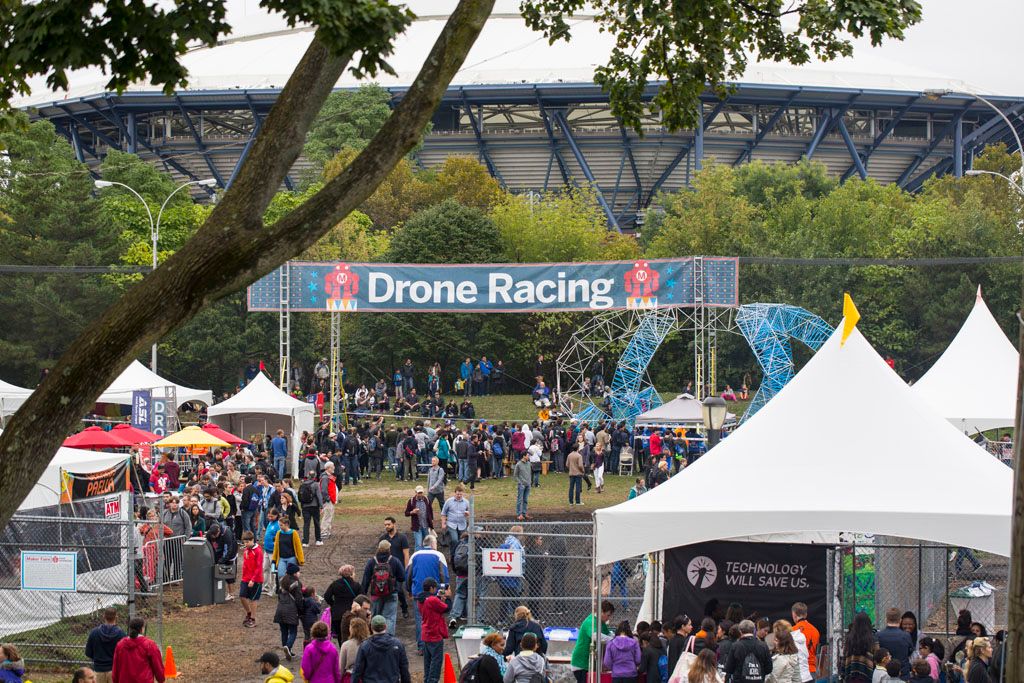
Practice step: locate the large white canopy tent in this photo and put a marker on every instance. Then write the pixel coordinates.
(137, 377)
(682, 411)
(11, 398)
(46, 491)
(263, 408)
(973, 384)
(830, 453)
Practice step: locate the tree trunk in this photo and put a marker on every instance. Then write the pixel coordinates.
(233, 248)
(1013, 652)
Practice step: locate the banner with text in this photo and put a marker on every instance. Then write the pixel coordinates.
(764, 578)
(142, 408)
(499, 287)
(75, 486)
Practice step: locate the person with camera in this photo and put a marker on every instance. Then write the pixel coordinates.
(433, 603)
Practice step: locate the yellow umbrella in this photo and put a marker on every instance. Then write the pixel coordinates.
(191, 436)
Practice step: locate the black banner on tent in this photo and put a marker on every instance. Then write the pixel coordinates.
(764, 578)
(103, 483)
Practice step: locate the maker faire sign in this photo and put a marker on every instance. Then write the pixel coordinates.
(498, 288)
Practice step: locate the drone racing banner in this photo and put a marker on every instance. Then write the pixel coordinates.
(765, 578)
(498, 287)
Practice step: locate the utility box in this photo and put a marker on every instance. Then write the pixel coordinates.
(197, 572)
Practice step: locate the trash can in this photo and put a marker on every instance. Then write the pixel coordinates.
(221, 573)
(979, 597)
(467, 642)
(197, 572)
(561, 642)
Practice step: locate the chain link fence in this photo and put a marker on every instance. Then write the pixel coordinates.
(121, 564)
(557, 579)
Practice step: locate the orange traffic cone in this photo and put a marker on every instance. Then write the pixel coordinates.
(170, 669)
(449, 670)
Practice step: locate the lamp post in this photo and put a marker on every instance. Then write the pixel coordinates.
(1014, 670)
(713, 409)
(154, 225)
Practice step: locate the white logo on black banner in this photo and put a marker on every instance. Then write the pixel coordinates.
(702, 571)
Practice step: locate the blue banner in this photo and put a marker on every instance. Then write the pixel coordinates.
(500, 287)
(142, 409)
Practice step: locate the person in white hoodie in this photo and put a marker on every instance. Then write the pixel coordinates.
(527, 663)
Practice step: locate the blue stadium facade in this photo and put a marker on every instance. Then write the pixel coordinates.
(544, 135)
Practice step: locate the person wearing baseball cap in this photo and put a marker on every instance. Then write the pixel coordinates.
(270, 666)
(422, 514)
(381, 657)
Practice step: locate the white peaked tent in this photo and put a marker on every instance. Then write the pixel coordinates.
(682, 411)
(829, 453)
(973, 384)
(11, 398)
(262, 408)
(137, 377)
(46, 492)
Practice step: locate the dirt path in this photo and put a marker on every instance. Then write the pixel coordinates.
(223, 650)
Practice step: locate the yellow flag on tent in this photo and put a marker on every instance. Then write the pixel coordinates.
(850, 317)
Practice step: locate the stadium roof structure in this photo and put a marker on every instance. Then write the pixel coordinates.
(530, 112)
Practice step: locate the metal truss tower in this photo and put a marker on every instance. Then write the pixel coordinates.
(337, 389)
(284, 328)
(768, 329)
(632, 390)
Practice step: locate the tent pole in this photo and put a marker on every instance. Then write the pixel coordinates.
(1015, 597)
(595, 606)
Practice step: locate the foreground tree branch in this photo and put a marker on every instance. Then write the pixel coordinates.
(233, 248)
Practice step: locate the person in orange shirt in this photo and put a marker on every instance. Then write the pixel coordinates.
(811, 635)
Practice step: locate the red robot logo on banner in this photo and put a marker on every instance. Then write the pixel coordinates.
(641, 284)
(341, 286)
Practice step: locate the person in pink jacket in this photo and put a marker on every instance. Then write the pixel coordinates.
(320, 663)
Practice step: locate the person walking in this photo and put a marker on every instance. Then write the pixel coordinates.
(425, 564)
(358, 633)
(599, 466)
(329, 495)
(289, 606)
(435, 480)
(279, 450)
(382, 658)
(622, 655)
(340, 595)
(523, 476)
(400, 551)
(320, 661)
(433, 608)
(576, 468)
(252, 578)
(99, 646)
(455, 516)
(312, 502)
(137, 658)
(287, 550)
(382, 577)
(421, 512)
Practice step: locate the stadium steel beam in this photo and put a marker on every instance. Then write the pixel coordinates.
(680, 155)
(763, 131)
(256, 125)
(926, 152)
(886, 132)
(554, 143)
(854, 154)
(480, 142)
(958, 149)
(628, 147)
(585, 167)
(941, 166)
(831, 119)
(199, 142)
(85, 123)
(979, 136)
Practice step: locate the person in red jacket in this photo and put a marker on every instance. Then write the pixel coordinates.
(435, 628)
(137, 658)
(252, 578)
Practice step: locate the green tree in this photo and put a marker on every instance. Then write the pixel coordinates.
(447, 232)
(704, 42)
(52, 220)
(347, 120)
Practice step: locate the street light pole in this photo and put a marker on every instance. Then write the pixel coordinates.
(1014, 670)
(154, 225)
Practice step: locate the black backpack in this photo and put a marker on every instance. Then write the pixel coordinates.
(307, 496)
(460, 560)
(472, 668)
(750, 670)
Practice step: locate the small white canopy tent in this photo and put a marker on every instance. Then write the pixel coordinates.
(11, 398)
(682, 411)
(973, 384)
(828, 454)
(47, 490)
(263, 408)
(137, 377)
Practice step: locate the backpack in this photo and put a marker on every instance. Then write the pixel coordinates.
(307, 496)
(537, 677)
(663, 667)
(460, 561)
(750, 670)
(382, 584)
(374, 443)
(497, 448)
(254, 501)
(469, 672)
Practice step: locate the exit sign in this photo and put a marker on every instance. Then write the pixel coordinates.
(502, 562)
